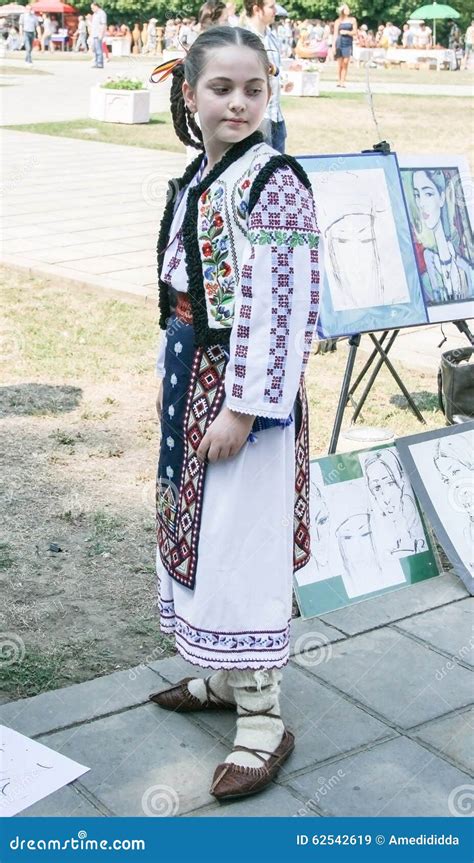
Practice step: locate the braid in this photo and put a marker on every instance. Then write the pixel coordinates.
(184, 123)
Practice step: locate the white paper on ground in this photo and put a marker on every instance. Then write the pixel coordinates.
(30, 771)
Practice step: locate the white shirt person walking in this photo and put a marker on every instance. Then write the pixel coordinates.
(99, 25)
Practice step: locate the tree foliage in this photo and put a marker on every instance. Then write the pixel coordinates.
(370, 12)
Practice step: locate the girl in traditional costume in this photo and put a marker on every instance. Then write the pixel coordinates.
(239, 282)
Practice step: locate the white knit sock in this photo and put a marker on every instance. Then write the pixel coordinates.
(218, 683)
(256, 690)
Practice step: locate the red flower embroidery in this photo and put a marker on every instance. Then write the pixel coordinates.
(226, 270)
(207, 250)
(211, 290)
(218, 221)
(245, 184)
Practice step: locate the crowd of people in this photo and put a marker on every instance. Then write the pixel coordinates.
(311, 39)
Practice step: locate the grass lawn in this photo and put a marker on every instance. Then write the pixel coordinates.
(79, 443)
(332, 123)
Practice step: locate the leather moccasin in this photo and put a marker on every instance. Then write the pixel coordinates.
(179, 698)
(231, 781)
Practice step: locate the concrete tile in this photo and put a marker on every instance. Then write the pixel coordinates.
(145, 258)
(143, 754)
(59, 254)
(40, 243)
(96, 265)
(67, 802)
(397, 779)
(394, 676)
(309, 635)
(449, 628)
(398, 604)
(453, 736)
(60, 707)
(274, 802)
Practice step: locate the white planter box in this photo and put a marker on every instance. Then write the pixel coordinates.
(300, 83)
(119, 106)
(120, 46)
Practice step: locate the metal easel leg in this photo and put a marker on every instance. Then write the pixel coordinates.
(398, 379)
(354, 343)
(374, 374)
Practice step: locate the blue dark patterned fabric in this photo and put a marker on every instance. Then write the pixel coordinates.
(178, 363)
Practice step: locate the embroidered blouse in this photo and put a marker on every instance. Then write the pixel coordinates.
(277, 298)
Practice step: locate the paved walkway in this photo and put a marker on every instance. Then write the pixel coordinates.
(83, 210)
(377, 694)
(98, 225)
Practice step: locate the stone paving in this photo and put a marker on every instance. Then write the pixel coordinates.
(381, 709)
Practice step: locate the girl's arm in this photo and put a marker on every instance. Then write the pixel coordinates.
(160, 372)
(275, 313)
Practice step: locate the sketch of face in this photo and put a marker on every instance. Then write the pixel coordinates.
(429, 200)
(464, 494)
(460, 479)
(354, 257)
(356, 546)
(321, 530)
(386, 492)
(449, 467)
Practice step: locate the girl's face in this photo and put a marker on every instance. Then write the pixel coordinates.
(428, 199)
(230, 97)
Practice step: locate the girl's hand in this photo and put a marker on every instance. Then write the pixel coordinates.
(159, 401)
(226, 436)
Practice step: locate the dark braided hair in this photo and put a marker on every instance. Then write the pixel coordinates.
(184, 123)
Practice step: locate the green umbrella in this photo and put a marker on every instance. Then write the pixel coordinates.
(434, 11)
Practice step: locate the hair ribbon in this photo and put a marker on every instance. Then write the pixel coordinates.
(165, 69)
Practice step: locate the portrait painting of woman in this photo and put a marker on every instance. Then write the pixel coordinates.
(443, 238)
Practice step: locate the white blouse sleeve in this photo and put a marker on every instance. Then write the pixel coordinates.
(277, 301)
(160, 359)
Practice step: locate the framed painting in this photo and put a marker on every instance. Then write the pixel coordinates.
(371, 279)
(441, 468)
(438, 191)
(367, 534)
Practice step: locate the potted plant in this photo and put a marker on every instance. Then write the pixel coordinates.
(120, 100)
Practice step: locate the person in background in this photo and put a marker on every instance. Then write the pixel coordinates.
(212, 14)
(124, 31)
(46, 43)
(80, 36)
(423, 37)
(407, 36)
(99, 26)
(259, 16)
(468, 45)
(3, 29)
(150, 46)
(233, 20)
(13, 40)
(362, 40)
(393, 33)
(28, 26)
(345, 31)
